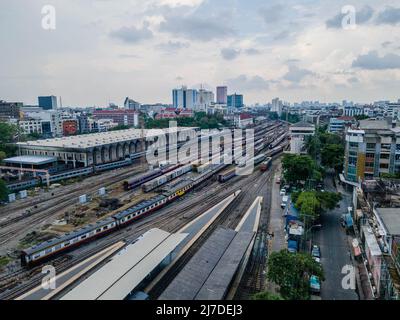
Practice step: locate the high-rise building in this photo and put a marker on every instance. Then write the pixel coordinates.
(277, 106)
(222, 95)
(235, 101)
(48, 103)
(184, 98)
(204, 99)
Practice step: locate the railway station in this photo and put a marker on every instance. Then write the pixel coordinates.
(96, 148)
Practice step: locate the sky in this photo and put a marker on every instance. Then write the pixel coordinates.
(102, 51)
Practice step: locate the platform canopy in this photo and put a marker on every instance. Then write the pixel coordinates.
(119, 277)
(31, 160)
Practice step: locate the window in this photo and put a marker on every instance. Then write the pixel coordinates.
(384, 166)
(353, 145)
(371, 145)
(385, 156)
(370, 155)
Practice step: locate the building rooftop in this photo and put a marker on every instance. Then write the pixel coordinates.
(374, 125)
(210, 272)
(30, 160)
(95, 139)
(302, 124)
(371, 242)
(390, 218)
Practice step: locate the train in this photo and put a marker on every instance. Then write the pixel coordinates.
(44, 251)
(227, 175)
(275, 151)
(137, 181)
(266, 165)
(41, 179)
(159, 181)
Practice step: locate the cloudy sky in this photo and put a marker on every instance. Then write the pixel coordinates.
(104, 50)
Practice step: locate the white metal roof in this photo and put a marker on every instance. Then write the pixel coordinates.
(127, 270)
(96, 139)
(36, 160)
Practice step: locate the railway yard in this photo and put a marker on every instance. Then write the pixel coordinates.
(52, 227)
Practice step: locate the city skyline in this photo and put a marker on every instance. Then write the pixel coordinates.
(101, 52)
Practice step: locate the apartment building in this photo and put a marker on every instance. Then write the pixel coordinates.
(372, 150)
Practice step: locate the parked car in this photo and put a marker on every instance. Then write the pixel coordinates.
(283, 192)
(316, 252)
(315, 285)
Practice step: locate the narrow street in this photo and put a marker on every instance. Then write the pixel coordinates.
(335, 249)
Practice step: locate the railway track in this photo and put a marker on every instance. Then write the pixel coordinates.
(41, 215)
(109, 178)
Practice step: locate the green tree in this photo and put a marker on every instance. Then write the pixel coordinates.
(329, 200)
(3, 190)
(309, 206)
(273, 116)
(266, 296)
(297, 168)
(291, 273)
(8, 135)
(332, 156)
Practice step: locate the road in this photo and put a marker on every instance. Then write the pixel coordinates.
(335, 249)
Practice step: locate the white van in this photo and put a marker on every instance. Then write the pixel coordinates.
(285, 200)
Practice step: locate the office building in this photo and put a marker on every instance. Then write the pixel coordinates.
(277, 106)
(205, 99)
(184, 98)
(222, 95)
(298, 134)
(130, 104)
(48, 103)
(235, 101)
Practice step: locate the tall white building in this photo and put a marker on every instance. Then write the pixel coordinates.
(204, 100)
(277, 106)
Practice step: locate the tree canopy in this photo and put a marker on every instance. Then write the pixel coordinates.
(3, 190)
(291, 272)
(299, 168)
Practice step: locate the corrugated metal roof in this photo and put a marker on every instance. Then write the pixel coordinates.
(191, 279)
(125, 271)
(217, 285)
